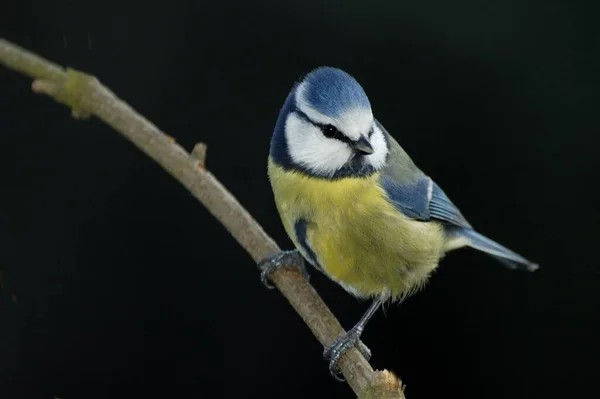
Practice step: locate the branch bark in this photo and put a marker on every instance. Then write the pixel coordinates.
(86, 96)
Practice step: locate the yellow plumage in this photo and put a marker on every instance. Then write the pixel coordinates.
(360, 239)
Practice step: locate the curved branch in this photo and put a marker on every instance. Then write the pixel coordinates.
(86, 96)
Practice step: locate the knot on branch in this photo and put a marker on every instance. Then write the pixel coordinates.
(68, 90)
(76, 86)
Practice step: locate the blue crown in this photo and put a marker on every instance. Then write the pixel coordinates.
(332, 91)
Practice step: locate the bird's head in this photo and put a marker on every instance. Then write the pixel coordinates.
(326, 128)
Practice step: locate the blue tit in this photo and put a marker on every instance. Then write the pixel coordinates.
(355, 205)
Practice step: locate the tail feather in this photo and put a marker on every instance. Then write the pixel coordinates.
(502, 254)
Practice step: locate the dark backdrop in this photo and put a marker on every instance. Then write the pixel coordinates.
(118, 284)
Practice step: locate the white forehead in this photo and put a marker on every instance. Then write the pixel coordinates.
(352, 122)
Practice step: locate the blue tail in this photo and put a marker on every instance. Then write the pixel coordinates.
(502, 254)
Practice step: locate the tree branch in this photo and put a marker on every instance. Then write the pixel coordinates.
(86, 96)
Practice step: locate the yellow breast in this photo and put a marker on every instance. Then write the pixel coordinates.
(359, 238)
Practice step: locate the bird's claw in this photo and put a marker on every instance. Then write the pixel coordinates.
(340, 346)
(281, 259)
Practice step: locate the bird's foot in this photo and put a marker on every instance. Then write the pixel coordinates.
(281, 259)
(340, 346)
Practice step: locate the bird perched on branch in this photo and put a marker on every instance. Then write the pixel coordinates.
(355, 205)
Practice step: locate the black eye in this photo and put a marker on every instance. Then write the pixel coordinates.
(330, 131)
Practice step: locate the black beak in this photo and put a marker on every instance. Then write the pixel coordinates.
(362, 146)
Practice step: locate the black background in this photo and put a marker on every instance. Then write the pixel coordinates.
(124, 286)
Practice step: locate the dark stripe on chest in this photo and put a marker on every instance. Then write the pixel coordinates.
(300, 230)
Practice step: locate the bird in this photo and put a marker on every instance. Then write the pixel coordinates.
(355, 205)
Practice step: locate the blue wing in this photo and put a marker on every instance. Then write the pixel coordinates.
(441, 208)
(418, 197)
(414, 193)
(423, 200)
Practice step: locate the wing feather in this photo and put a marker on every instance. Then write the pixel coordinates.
(414, 193)
(419, 197)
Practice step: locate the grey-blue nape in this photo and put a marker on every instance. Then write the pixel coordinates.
(332, 91)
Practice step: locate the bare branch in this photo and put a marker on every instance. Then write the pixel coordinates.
(86, 96)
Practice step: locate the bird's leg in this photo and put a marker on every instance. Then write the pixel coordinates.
(335, 351)
(281, 259)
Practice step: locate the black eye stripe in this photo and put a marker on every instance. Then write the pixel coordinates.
(330, 131)
(336, 134)
(303, 116)
(326, 129)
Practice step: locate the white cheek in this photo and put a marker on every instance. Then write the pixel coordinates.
(309, 148)
(380, 149)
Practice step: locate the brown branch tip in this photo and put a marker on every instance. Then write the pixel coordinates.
(85, 95)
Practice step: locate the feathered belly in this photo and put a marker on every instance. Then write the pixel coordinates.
(356, 236)
(376, 253)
